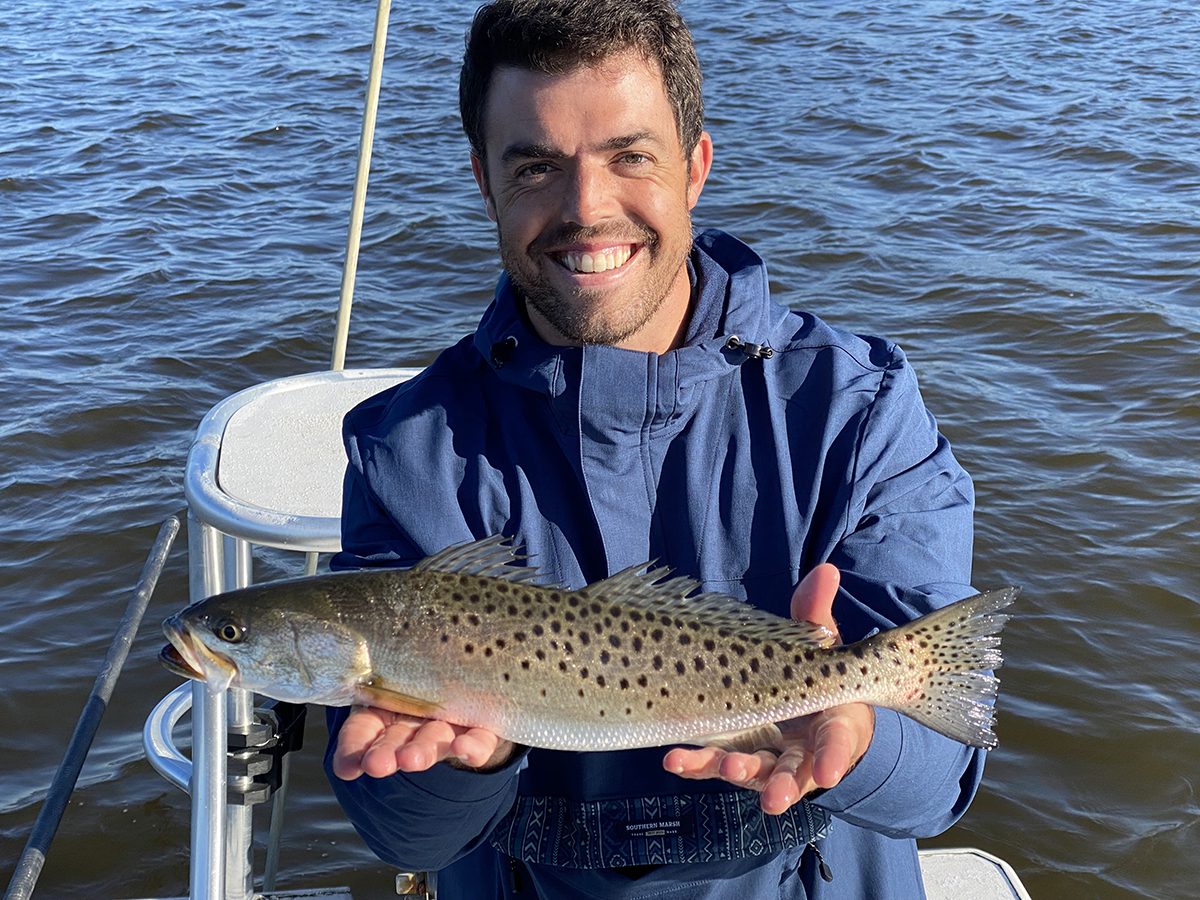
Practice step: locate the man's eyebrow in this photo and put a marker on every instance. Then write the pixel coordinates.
(515, 152)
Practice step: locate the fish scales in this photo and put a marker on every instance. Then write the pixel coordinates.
(625, 662)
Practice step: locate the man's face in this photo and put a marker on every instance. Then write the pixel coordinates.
(591, 193)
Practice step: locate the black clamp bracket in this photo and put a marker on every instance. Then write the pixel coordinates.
(256, 750)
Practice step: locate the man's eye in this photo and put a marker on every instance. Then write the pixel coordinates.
(635, 159)
(533, 170)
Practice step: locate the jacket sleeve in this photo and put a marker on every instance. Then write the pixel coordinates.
(424, 820)
(905, 550)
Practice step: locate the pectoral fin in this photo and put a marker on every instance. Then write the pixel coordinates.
(371, 692)
(761, 737)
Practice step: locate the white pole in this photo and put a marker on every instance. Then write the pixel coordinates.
(350, 267)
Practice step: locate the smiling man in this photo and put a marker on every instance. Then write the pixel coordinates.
(634, 393)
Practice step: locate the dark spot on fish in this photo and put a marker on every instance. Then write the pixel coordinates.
(525, 664)
(624, 626)
(699, 663)
(658, 663)
(664, 692)
(585, 638)
(680, 667)
(841, 667)
(487, 651)
(857, 651)
(727, 681)
(489, 608)
(543, 692)
(596, 608)
(602, 714)
(825, 671)
(774, 691)
(506, 676)
(656, 635)
(637, 644)
(728, 706)
(685, 639)
(501, 588)
(512, 609)
(738, 649)
(769, 651)
(445, 638)
(710, 645)
(699, 698)
(600, 682)
(642, 681)
(581, 692)
(723, 661)
(583, 673)
(598, 628)
(809, 681)
(628, 711)
(754, 664)
(863, 670)
(455, 620)
(572, 600)
(614, 640)
(757, 697)
(908, 637)
(649, 704)
(635, 616)
(457, 597)
(556, 626)
(625, 661)
(469, 648)
(569, 616)
(474, 619)
(500, 643)
(562, 666)
(745, 676)
(623, 684)
(787, 673)
(540, 654)
(810, 655)
(604, 657)
(519, 635)
(568, 647)
(538, 630)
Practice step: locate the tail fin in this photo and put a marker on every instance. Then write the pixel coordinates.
(962, 643)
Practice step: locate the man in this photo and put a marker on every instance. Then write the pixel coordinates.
(632, 393)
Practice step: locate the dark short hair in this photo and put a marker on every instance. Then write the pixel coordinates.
(557, 36)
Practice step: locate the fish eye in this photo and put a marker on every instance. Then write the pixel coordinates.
(229, 631)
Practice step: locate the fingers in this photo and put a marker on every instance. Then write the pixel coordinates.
(812, 601)
(361, 729)
(841, 737)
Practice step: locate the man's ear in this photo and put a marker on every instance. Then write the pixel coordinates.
(699, 165)
(480, 173)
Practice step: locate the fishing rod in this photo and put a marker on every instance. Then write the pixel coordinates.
(33, 857)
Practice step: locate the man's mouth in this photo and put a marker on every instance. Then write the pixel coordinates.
(593, 262)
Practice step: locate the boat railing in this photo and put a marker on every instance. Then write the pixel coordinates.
(265, 469)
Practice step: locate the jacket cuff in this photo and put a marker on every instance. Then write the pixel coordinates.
(453, 785)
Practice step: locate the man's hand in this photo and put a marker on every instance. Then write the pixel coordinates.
(817, 751)
(379, 743)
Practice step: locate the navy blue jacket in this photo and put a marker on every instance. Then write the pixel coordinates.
(740, 468)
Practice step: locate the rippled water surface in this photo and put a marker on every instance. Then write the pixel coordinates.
(1009, 189)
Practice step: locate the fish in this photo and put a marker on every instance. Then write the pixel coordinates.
(638, 659)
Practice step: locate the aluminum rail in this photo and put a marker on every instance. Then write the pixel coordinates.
(29, 867)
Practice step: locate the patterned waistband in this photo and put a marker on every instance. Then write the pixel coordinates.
(685, 828)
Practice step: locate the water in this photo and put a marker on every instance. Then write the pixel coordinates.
(1008, 189)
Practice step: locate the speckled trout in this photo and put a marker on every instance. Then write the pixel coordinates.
(468, 637)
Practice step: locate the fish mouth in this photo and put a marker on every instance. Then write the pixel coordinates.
(191, 658)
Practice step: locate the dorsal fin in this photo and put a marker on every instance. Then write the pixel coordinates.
(650, 589)
(491, 556)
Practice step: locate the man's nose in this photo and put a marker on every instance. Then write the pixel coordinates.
(587, 195)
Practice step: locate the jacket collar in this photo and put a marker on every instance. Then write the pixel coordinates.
(730, 297)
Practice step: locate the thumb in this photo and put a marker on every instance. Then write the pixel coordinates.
(812, 601)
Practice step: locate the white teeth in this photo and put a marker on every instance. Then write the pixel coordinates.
(601, 261)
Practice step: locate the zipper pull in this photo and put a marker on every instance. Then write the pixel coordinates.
(822, 866)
